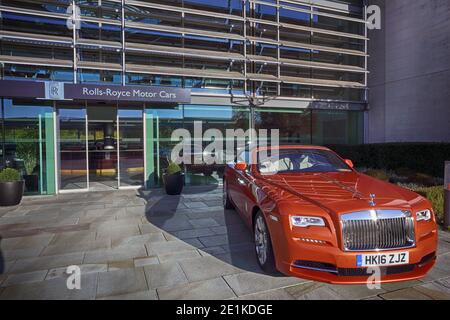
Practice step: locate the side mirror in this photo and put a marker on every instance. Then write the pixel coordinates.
(349, 163)
(241, 166)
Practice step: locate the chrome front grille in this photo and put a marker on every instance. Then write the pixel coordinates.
(377, 230)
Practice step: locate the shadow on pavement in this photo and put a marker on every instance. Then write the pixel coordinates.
(231, 242)
(2, 260)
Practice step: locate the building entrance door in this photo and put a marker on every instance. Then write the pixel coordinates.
(101, 147)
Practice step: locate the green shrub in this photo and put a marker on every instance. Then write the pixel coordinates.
(378, 174)
(427, 158)
(436, 196)
(173, 168)
(9, 175)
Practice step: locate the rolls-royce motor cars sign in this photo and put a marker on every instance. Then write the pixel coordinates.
(70, 91)
(126, 93)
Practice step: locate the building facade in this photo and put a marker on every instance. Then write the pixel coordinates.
(299, 66)
(409, 76)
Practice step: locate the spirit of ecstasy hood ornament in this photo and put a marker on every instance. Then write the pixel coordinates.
(372, 200)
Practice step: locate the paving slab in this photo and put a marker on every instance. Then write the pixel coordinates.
(168, 247)
(55, 289)
(48, 262)
(405, 294)
(84, 268)
(312, 291)
(435, 290)
(116, 254)
(142, 262)
(249, 282)
(355, 292)
(272, 295)
(140, 239)
(81, 246)
(203, 268)
(212, 289)
(121, 282)
(178, 256)
(28, 277)
(165, 275)
(142, 295)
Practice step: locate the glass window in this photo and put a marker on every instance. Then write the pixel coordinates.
(99, 55)
(337, 127)
(72, 146)
(151, 79)
(29, 148)
(24, 72)
(100, 9)
(343, 94)
(15, 48)
(95, 31)
(34, 24)
(295, 17)
(214, 85)
(98, 76)
(334, 24)
(302, 161)
(153, 37)
(233, 7)
(294, 125)
(215, 24)
(213, 117)
(59, 6)
(153, 16)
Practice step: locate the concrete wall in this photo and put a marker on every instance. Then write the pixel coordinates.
(409, 83)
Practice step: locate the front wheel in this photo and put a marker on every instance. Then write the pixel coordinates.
(263, 245)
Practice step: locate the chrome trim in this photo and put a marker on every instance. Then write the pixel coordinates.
(315, 269)
(377, 230)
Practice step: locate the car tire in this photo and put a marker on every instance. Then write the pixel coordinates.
(227, 204)
(263, 245)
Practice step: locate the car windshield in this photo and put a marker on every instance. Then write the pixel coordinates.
(301, 160)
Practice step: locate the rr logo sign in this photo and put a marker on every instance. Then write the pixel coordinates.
(54, 90)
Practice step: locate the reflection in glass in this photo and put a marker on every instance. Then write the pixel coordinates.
(131, 147)
(102, 146)
(294, 125)
(337, 127)
(72, 145)
(212, 117)
(28, 130)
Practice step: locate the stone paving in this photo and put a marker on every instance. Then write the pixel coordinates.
(146, 245)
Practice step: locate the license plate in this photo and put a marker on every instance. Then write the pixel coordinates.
(381, 260)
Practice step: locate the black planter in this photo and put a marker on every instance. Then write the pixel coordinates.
(173, 183)
(31, 182)
(11, 193)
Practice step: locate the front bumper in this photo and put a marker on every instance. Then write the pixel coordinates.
(330, 264)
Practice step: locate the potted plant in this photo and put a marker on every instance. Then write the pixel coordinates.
(173, 179)
(27, 151)
(11, 187)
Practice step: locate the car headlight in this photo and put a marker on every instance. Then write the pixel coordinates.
(303, 221)
(424, 215)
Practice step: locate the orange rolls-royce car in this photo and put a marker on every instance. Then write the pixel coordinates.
(314, 216)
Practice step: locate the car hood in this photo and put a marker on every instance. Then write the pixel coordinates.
(340, 192)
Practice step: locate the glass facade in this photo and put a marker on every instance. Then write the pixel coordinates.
(290, 65)
(28, 143)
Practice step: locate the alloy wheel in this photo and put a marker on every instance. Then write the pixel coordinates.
(261, 240)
